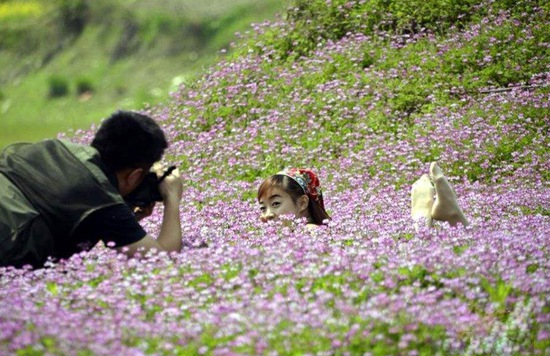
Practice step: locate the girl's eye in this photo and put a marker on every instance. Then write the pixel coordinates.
(275, 204)
(262, 208)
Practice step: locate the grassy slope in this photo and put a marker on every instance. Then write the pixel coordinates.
(168, 54)
(374, 84)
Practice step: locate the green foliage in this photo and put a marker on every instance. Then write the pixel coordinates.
(52, 288)
(315, 22)
(231, 271)
(532, 268)
(403, 82)
(58, 86)
(515, 148)
(29, 351)
(16, 21)
(61, 37)
(84, 85)
(459, 250)
(373, 337)
(73, 15)
(50, 344)
(498, 292)
(202, 281)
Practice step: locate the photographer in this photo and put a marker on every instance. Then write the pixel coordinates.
(58, 198)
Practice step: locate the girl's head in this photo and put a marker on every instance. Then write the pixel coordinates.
(292, 191)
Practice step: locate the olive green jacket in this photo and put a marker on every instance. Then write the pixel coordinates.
(46, 190)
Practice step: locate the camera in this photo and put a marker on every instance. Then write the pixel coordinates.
(148, 190)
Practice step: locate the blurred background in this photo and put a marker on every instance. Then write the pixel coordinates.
(66, 64)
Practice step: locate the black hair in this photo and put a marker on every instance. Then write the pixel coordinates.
(128, 139)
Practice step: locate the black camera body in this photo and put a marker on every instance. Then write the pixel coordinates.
(148, 190)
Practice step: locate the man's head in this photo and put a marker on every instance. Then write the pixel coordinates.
(129, 143)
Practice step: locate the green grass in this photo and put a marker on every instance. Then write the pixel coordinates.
(174, 43)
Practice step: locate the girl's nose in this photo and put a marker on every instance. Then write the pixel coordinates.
(268, 215)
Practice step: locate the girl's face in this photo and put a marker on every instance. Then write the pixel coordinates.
(277, 202)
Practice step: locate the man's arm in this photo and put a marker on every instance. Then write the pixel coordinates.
(170, 237)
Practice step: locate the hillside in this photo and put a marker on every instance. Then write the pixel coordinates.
(367, 93)
(320, 93)
(68, 64)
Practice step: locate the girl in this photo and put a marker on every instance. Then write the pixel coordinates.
(294, 191)
(297, 191)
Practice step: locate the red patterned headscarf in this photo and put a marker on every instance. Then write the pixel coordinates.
(308, 181)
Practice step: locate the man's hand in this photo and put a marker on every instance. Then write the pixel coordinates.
(169, 239)
(171, 188)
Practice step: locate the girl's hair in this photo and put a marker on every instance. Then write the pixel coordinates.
(295, 190)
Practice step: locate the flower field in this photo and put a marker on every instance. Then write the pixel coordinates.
(366, 97)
